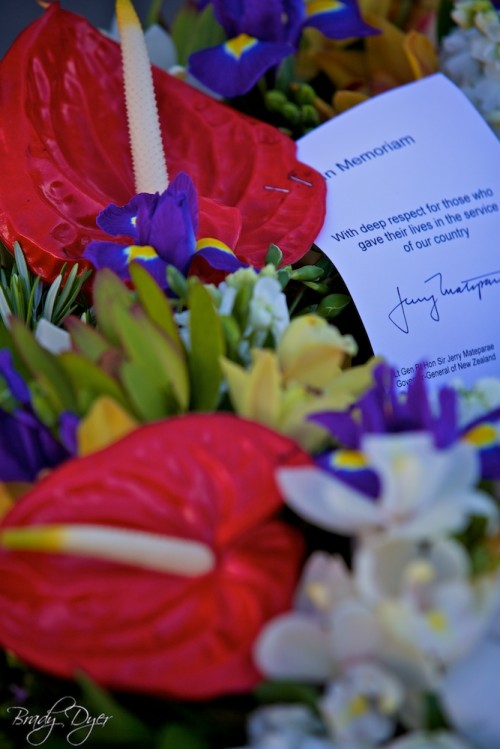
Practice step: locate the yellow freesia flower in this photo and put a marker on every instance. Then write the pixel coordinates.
(304, 375)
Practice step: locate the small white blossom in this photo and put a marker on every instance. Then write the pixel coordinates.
(268, 311)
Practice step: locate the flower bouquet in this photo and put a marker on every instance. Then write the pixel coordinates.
(221, 523)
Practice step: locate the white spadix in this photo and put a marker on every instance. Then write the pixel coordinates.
(148, 158)
(161, 553)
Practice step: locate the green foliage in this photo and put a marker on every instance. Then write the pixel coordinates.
(28, 298)
(193, 30)
(287, 692)
(445, 22)
(207, 346)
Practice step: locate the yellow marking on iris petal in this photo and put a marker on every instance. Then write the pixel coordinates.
(46, 538)
(437, 621)
(205, 242)
(322, 6)
(239, 45)
(140, 252)
(126, 15)
(349, 459)
(482, 435)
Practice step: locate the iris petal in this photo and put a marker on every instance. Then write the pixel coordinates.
(337, 20)
(121, 220)
(14, 381)
(218, 254)
(234, 68)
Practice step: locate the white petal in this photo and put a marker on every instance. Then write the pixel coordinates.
(355, 634)
(470, 693)
(327, 502)
(161, 48)
(293, 646)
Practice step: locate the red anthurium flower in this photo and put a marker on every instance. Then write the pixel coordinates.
(65, 153)
(205, 478)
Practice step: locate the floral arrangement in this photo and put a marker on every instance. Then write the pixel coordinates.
(220, 523)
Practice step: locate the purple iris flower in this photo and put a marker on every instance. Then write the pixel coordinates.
(162, 229)
(26, 444)
(263, 32)
(382, 411)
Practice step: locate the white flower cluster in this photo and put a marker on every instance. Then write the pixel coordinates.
(406, 621)
(256, 300)
(470, 56)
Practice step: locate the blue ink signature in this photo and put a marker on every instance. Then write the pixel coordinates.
(397, 315)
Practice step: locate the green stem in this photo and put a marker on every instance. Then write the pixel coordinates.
(154, 11)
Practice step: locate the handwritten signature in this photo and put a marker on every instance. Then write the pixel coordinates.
(75, 721)
(477, 284)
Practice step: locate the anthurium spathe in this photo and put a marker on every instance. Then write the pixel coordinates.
(65, 153)
(127, 610)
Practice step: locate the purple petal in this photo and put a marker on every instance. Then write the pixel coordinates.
(220, 259)
(68, 425)
(364, 479)
(15, 382)
(26, 447)
(109, 255)
(341, 425)
(172, 231)
(233, 68)
(121, 220)
(340, 22)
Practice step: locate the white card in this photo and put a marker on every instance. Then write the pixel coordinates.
(413, 226)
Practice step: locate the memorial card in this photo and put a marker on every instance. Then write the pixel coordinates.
(413, 226)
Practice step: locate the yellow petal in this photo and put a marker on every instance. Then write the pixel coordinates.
(105, 423)
(386, 56)
(344, 100)
(375, 7)
(256, 393)
(421, 54)
(312, 352)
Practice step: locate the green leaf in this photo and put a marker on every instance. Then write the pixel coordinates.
(192, 31)
(146, 344)
(232, 335)
(332, 305)
(177, 282)
(179, 736)
(307, 273)
(150, 402)
(110, 295)
(287, 691)
(154, 302)
(286, 73)
(90, 381)
(207, 346)
(44, 367)
(274, 256)
(445, 22)
(87, 339)
(122, 727)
